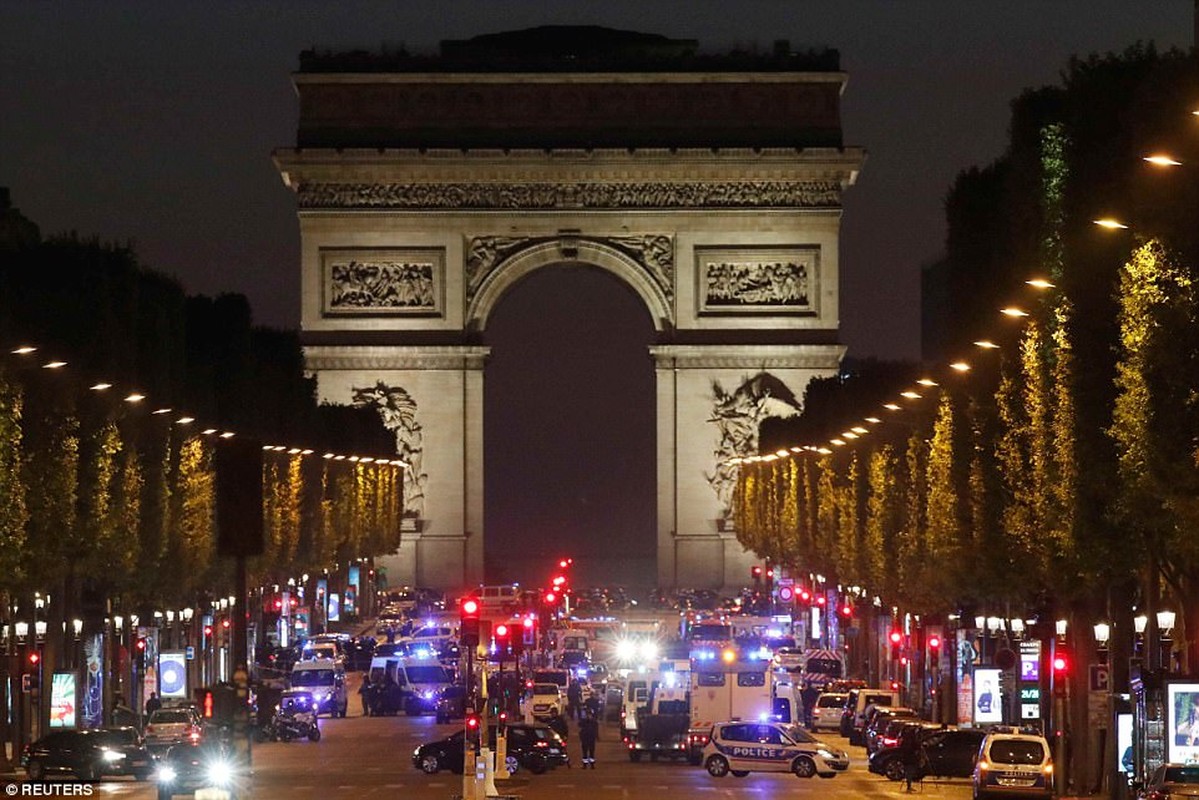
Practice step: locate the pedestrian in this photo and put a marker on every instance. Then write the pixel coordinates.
(588, 733)
(911, 755)
(809, 695)
(557, 724)
(153, 704)
(365, 692)
(574, 697)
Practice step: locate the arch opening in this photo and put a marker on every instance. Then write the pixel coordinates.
(570, 432)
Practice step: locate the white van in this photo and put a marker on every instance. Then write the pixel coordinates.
(422, 681)
(499, 598)
(326, 679)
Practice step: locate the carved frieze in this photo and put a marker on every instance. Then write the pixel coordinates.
(654, 252)
(773, 280)
(726, 194)
(405, 281)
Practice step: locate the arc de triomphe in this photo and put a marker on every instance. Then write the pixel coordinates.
(428, 186)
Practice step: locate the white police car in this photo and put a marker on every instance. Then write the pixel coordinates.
(745, 747)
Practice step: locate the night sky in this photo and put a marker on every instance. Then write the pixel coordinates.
(154, 122)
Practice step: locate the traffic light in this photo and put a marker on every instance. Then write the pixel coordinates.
(472, 723)
(896, 637)
(140, 651)
(527, 637)
(503, 639)
(846, 610)
(35, 658)
(934, 651)
(206, 703)
(469, 633)
(551, 598)
(1061, 670)
(804, 595)
(770, 573)
(755, 572)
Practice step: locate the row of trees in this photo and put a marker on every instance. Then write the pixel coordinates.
(1059, 476)
(102, 500)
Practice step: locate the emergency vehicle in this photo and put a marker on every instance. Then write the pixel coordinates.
(736, 690)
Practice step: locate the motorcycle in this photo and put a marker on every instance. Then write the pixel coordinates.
(295, 718)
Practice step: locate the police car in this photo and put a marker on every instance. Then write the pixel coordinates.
(1013, 764)
(745, 747)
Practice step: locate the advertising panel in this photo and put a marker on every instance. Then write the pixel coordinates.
(988, 707)
(64, 693)
(334, 607)
(1124, 743)
(1182, 719)
(172, 674)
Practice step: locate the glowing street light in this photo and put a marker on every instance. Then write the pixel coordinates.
(1110, 224)
(1012, 311)
(1040, 283)
(986, 344)
(960, 366)
(1162, 160)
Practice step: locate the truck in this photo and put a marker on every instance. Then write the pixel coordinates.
(662, 724)
(736, 690)
(821, 667)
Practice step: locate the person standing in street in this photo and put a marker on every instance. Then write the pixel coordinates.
(574, 698)
(153, 704)
(588, 732)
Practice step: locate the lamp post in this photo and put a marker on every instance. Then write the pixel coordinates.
(1165, 629)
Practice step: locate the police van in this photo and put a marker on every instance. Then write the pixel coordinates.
(326, 679)
(744, 747)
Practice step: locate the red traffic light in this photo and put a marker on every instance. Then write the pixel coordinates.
(934, 643)
(140, 644)
(896, 637)
(207, 704)
(278, 602)
(472, 722)
(528, 623)
(551, 598)
(501, 631)
(756, 571)
(558, 581)
(470, 607)
(805, 595)
(1060, 664)
(225, 623)
(895, 686)
(821, 599)
(208, 630)
(770, 573)
(847, 610)
(34, 657)
(563, 564)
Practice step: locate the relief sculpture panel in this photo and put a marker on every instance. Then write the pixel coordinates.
(757, 280)
(400, 281)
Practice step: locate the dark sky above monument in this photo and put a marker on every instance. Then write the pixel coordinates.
(154, 122)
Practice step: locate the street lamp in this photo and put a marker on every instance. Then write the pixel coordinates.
(1060, 627)
(1103, 633)
(1139, 623)
(1165, 621)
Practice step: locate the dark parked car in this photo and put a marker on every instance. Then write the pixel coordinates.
(879, 720)
(949, 752)
(532, 747)
(88, 755)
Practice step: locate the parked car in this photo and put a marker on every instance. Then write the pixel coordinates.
(744, 747)
(886, 759)
(88, 754)
(1013, 765)
(878, 720)
(1172, 780)
(532, 747)
(826, 715)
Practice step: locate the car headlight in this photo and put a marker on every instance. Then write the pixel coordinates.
(220, 772)
(430, 695)
(416, 753)
(112, 755)
(625, 649)
(165, 774)
(649, 650)
(825, 754)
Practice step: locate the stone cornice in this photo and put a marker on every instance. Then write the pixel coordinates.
(402, 165)
(798, 356)
(300, 78)
(383, 357)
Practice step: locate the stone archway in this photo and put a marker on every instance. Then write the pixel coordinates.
(417, 217)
